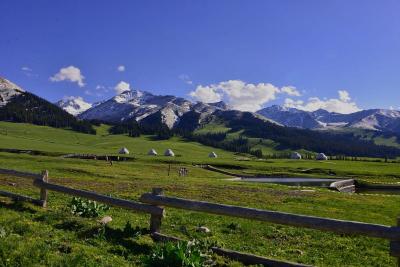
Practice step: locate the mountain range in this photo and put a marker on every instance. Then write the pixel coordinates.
(137, 112)
(139, 105)
(142, 106)
(372, 119)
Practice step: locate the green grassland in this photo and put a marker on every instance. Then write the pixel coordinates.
(32, 236)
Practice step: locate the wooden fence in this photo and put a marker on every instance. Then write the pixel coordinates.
(153, 203)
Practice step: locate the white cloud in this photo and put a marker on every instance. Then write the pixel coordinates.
(24, 68)
(185, 78)
(207, 94)
(122, 87)
(71, 73)
(343, 104)
(28, 71)
(290, 90)
(238, 94)
(121, 68)
(293, 103)
(102, 88)
(344, 96)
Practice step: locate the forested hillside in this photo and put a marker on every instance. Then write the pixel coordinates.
(30, 108)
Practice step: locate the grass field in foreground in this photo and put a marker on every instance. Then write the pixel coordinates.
(34, 236)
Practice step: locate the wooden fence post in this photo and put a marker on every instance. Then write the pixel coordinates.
(44, 192)
(155, 220)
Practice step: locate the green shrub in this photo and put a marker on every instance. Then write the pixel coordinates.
(87, 208)
(183, 254)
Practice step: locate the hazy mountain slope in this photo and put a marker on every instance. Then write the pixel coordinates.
(291, 117)
(336, 143)
(372, 119)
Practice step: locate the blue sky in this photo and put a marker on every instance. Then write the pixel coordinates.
(244, 52)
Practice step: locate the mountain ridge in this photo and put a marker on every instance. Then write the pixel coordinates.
(141, 104)
(371, 119)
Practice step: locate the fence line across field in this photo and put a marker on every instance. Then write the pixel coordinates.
(318, 223)
(153, 203)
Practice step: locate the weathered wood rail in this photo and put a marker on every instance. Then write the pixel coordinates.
(391, 233)
(324, 224)
(153, 203)
(42, 181)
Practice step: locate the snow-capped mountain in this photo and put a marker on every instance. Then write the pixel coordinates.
(8, 90)
(140, 105)
(371, 119)
(73, 105)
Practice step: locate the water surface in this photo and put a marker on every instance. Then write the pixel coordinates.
(293, 181)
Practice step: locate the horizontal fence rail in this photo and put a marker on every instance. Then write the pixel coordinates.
(332, 225)
(28, 175)
(41, 181)
(117, 202)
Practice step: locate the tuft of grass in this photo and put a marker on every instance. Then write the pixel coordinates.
(184, 254)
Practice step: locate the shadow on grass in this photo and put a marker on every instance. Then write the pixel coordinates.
(70, 225)
(125, 243)
(17, 206)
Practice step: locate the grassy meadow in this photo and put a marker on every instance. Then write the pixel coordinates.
(32, 236)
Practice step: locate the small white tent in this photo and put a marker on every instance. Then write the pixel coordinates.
(169, 153)
(295, 155)
(321, 156)
(123, 150)
(213, 155)
(152, 152)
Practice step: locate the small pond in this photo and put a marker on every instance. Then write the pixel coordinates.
(321, 182)
(318, 182)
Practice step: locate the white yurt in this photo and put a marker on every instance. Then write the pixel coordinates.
(295, 155)
(169, 153)
(152, 152)
(123, 150)
(321, 156)
(213, 155)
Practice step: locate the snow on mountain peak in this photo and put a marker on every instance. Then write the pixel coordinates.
(371, 119)
(8, 90)
(74, 105)
(134, 97)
